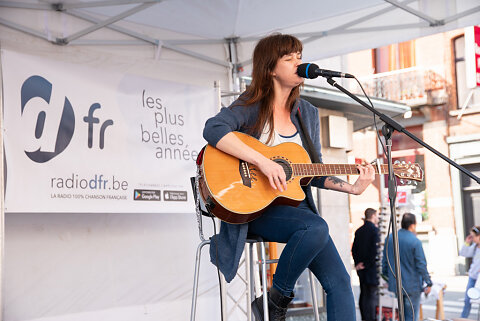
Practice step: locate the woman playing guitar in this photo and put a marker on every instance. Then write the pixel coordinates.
(268, 110)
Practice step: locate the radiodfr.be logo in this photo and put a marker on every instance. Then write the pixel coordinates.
(39, 87)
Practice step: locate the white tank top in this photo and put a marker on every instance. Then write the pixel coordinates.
(278, 139)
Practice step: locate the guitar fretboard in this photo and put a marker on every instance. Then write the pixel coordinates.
(331, 169)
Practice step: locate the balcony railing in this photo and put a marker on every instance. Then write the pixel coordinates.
(412, 86)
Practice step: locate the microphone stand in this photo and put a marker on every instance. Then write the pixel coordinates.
(387, 130)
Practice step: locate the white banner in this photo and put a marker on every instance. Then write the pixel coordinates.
(79, 139)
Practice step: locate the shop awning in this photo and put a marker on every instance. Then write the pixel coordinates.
(362, 118)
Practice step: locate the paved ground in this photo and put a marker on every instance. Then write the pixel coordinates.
(453, 298)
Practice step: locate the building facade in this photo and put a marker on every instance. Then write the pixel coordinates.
(430, 75)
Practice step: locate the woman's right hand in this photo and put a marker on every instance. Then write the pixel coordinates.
(232, 145)
(274, 172)
(469, 239)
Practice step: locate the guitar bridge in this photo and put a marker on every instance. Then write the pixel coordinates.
(245, 173)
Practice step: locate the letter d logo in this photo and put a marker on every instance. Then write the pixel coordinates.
(37, 86)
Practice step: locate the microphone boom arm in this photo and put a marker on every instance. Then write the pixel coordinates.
(400, 128)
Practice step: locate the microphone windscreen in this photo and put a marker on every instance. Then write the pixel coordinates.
(307, 70)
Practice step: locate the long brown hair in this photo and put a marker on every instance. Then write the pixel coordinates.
(265, 56)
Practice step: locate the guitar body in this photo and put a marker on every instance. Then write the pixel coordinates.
(237, 192)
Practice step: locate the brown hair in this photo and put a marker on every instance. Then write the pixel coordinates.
(407, 220)
(369, 212)
(476, 230)
(265, 56)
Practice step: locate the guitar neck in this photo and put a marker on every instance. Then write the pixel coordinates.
(331, 169)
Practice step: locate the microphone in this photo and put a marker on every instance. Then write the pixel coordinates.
(311, 71)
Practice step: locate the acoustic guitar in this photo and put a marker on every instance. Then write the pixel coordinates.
(238, 192)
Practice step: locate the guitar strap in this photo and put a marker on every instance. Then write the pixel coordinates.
(310, 149)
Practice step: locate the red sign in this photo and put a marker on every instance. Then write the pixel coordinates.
(476, 33)
(402, 197)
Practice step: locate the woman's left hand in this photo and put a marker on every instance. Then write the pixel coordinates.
(367, 176)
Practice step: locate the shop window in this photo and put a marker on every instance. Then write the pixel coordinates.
(466, 96)
(460, 71)
(411, 197)
(400, 141)
(470, 197)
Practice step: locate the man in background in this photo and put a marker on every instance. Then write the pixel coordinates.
(413, 266)
(364, 251)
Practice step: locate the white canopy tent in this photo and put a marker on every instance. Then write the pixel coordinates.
(223, 33)
(327, 28)
(195, 42)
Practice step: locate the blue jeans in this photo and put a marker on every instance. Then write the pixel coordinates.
(407, 308)
(308, 245)
(467, 306)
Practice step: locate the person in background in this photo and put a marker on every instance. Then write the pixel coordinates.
(364, 252)
(413, 266)
(471, 249)
(270, 110)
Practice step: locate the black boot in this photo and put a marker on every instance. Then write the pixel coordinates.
(277, 306)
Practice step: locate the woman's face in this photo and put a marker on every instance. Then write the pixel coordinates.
(285, 72)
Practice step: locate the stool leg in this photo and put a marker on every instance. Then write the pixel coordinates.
(248, 270)
(195, 278)
(314, 295)
(264, 282)
(223, 295)
(256, 271)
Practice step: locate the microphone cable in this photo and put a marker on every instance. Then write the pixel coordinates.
(390, 224)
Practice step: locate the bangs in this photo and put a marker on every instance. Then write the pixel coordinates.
(287, 45)
(268, 50)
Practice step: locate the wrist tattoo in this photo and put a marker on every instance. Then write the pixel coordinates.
(336, 180)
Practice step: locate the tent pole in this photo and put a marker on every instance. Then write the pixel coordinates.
(131, 33)
(232, 48)
(107, 22)
(421, 15)
(2, 202)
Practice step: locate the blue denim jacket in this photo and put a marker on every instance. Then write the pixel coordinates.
(231, 239)
(412, 263)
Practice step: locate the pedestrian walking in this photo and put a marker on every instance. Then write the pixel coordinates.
(413, 267)
(471, 249)
(364, 252)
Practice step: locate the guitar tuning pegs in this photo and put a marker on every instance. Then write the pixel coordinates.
(402, 181)
(403, 163)
(409, 182)
(397, 162)
(414, 183)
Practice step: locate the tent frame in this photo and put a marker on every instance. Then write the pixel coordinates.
(72, 9)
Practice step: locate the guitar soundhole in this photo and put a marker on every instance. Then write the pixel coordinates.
(286, 167)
